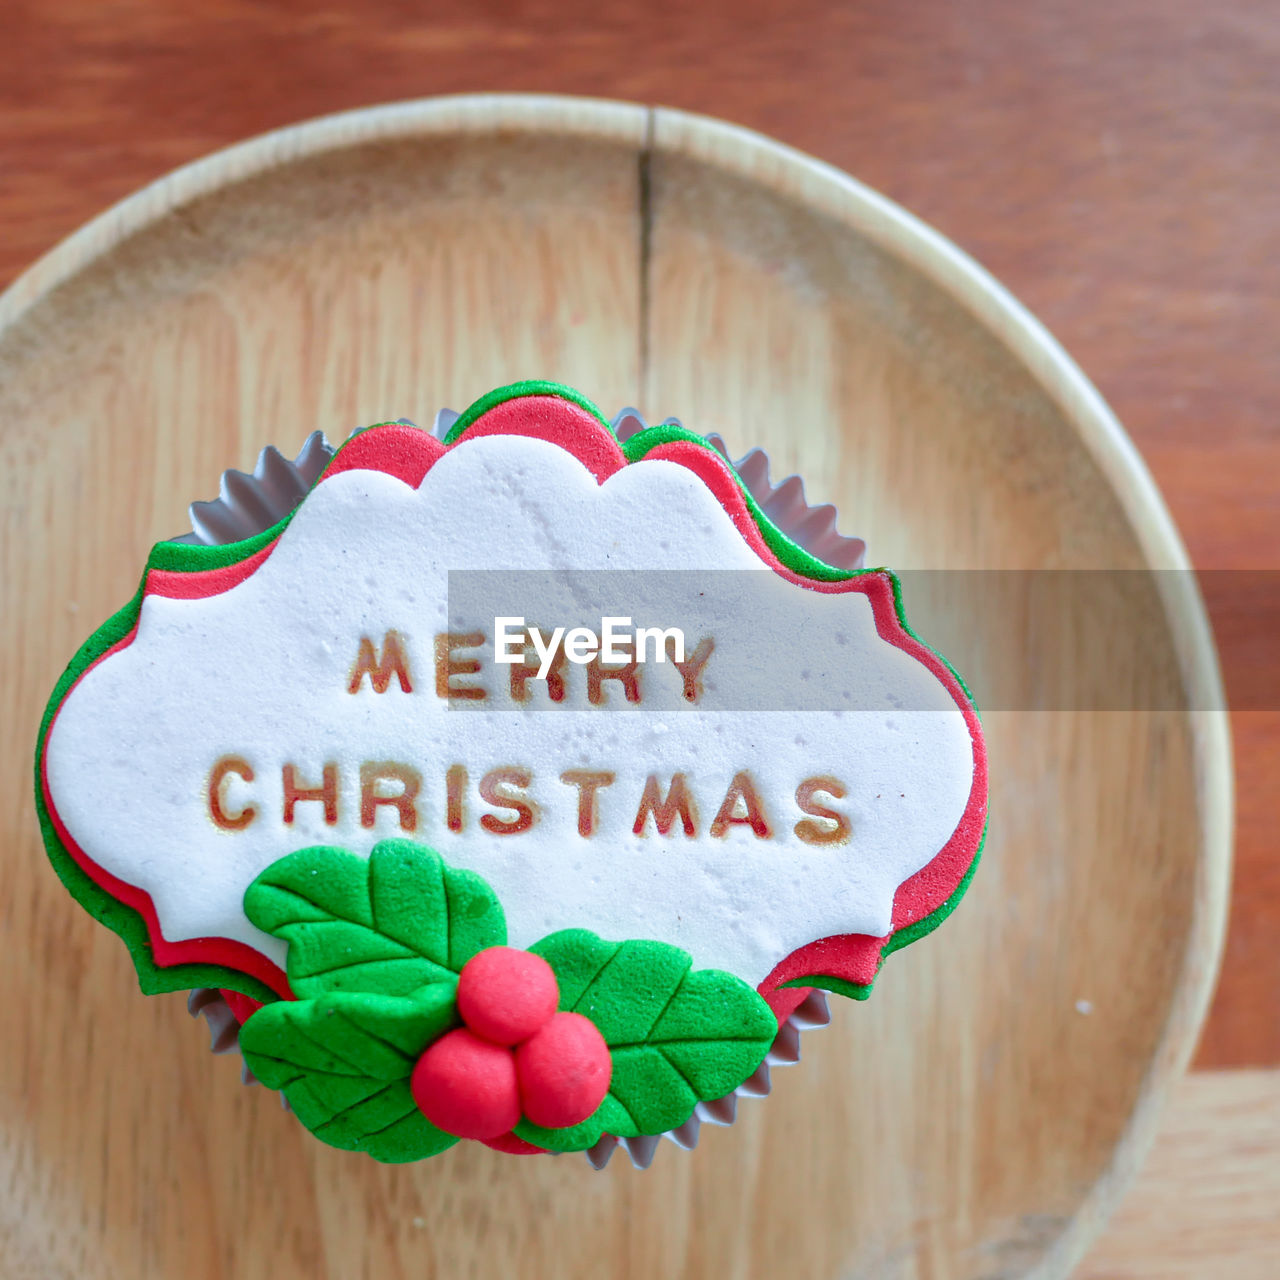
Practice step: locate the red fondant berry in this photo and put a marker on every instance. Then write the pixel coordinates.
(505, 995)
(564, 1071)
(467, 1086)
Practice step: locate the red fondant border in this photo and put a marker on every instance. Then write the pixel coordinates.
(176, 585)
(220, 951)
(408, 454)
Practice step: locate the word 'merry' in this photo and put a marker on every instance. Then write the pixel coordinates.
(456, 665)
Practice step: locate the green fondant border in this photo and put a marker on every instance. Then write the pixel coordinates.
(176, 557)
(514, 391)
(116, 915)
(195, 557)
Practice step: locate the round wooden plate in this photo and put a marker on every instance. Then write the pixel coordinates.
(983, 1111)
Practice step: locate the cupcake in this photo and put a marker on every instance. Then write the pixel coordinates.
(526, 780)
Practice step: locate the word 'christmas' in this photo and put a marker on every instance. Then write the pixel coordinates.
(666, 808)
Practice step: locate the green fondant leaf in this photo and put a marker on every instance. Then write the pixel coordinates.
(346, 1034)
(578, 1137)
(343, 1060)
(390, 924)
(677, 1035)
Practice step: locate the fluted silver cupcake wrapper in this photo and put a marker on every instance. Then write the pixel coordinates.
(812, 1012)
(814, 528)
(249, 503)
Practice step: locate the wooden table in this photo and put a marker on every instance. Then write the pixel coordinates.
(1207, 1199)
(1112, 163)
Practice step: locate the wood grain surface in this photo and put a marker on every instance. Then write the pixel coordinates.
(1205, 1204)
(1111, 161)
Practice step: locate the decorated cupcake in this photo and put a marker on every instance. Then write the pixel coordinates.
(518, 781)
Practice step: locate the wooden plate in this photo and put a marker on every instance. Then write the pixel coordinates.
(982, 1112)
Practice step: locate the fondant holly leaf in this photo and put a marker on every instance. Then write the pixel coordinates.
(677, 1035)
(344, 1059)
(388, 924)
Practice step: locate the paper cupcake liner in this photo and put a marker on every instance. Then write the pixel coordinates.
(247, 504)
